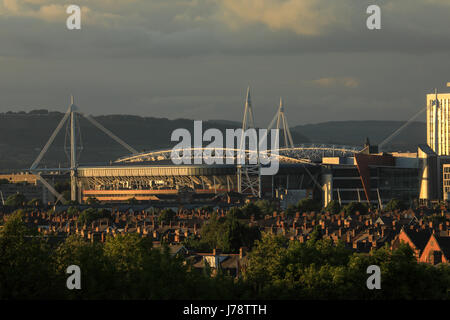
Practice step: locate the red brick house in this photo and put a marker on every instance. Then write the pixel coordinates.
(417, 240)
(437, 250)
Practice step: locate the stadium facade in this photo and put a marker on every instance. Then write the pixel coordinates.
(325, 172)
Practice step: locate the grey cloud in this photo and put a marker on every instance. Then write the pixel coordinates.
(182, 59)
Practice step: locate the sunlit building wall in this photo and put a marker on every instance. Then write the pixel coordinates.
(438, 119)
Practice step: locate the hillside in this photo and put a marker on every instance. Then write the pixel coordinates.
(23, 135)
(355, 133)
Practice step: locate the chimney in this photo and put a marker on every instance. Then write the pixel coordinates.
(241, 252)
(195, 229)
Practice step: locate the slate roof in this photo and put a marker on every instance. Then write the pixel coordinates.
(419, 238)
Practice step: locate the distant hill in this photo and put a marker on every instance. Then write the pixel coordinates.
(23, 135)
(355, 133)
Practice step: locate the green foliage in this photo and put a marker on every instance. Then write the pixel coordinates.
(128, 267)
(266, 207)
(226, 234)
(333, 207)
(90, 215)
(124, 267)
(4, 181)
(396, 204)
(166, 215)
(92, 200)
(309, 205)
(320, 269)
(35, 202)
(97, 279)
(144, 273)
(265, 263)
(237, 213)
(72, 211)
(354, 207)
(258, 209)
(25, 262)
(250, 209)
(16, 200)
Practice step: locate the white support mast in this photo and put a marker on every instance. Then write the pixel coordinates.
(73, 151)
(249, 178)
(71, 115)
(280, 119)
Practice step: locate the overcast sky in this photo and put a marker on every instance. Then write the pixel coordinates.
(195, 58)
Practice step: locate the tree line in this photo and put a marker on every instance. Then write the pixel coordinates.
(129, 267)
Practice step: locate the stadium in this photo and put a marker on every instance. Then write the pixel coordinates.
(319, 171)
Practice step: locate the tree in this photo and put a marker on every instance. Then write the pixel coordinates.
(251, 209)
(333, 207)
(226, 234)
(237, 213)
(396, 204)
(354, 207)
(142, 272)
(266, 206)
(90, 215)
(265, 262)
(26, 266)
(72, 211)
(35, 202)
(166, 215)
(16, 200)
(97, 280)
(309, 205)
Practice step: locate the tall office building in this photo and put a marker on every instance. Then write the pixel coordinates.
(438, 121)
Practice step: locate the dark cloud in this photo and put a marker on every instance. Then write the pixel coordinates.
(189, 59)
